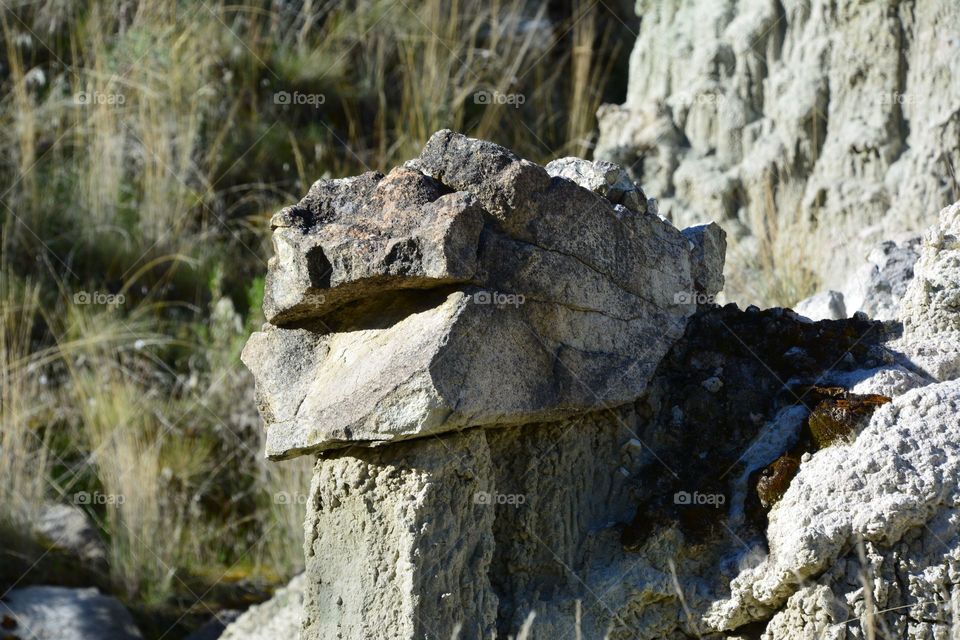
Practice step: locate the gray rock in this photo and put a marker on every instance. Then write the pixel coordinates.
(429, 532)
(877, 287)
(562, 302)
(68, 528)
(279, 617)
(708, 242)
(930, 310)
(604, 178)
(352, 239)
(618, 494)
(57, 613)
(216, 625)
(826, 305)
(765, 114)
(899, 477)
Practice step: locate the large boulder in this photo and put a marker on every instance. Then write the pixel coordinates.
(468, 287)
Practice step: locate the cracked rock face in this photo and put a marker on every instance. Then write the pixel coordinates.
(842, 112)
(468, 287)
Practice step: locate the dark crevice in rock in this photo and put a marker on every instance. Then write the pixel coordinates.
(382, 310)
(318, 268)
(730, 375)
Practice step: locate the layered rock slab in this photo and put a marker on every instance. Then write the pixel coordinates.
(466, 288)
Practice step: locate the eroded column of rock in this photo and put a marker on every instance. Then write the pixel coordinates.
(843, 113)
(398, 546)
(460, 341)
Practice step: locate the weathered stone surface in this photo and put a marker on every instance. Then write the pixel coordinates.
(279, 617)
(399, 542)
(930, 310)
(616, 496)
(605, 178)
(839, 419)
(900, 472)
(709, 246)
(826, 305)
(768, 362)
(58, 613)
(68, 528)
(759, 113)
(554, 302)
(878, 287)
(354, 238)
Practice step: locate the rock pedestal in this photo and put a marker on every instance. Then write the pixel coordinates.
(461, 340)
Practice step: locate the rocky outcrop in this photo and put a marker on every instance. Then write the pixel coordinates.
(67, 528)
(837, 117)
(600, 446)
(875, 288)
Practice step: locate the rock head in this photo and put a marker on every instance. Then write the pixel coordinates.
(468, 288)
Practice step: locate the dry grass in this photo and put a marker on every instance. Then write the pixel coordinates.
(143, 152)
(774, 265)
(23, 405)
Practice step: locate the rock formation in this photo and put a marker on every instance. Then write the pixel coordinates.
(524, 402)
(468, 288)
(843, 116)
